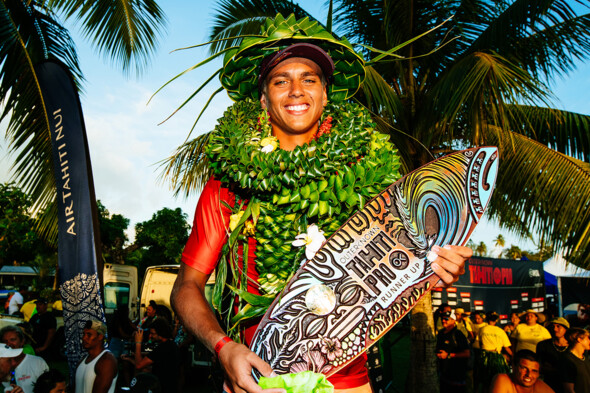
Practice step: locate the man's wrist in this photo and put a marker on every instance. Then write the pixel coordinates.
(220, 344)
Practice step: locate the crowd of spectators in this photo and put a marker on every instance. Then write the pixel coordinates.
(146, 355)
(529, 353)
(476, 352)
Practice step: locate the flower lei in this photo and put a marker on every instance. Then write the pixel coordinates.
(323, 182)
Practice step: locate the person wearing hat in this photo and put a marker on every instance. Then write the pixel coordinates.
(492, 341)
(291, 84)
(7, 364)
(44, 327)
(551, 352)
(530, 333)
(27, 368)
(464, 324)
(97, 371)
(452, 350)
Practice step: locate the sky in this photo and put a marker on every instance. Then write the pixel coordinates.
(127, 144)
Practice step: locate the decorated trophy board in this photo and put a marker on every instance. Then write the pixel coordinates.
(373, 270)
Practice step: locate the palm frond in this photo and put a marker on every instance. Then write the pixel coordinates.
(517, 21)
(550, 196)
(545, 36)
(28, 36)
(237, 18)
(187, 169)
(475, 92)
(126, 31)
(556, 48)
(566, 132)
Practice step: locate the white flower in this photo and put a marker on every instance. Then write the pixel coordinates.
(312, 240)
(268, 144)
(267, 149)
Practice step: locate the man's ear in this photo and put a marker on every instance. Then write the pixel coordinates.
(325, 96)
(263, 101)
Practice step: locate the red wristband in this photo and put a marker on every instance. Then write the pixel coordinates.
(220, 344)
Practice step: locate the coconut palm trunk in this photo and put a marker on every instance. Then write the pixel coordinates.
(422, 377)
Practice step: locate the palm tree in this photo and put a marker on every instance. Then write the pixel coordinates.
(482, 77)
(514, 252)
(30, 32)
(499, 241)
(481, 249)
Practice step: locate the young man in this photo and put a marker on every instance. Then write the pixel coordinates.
(44, 327)
(524, 377)
(293, 86)
(452, 348)
(97, 372)
(576, 365)
(164, 359)
(551, 353)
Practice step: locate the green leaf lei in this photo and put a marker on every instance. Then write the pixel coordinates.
(323, 182)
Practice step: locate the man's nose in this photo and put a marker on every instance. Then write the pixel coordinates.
(296, 89)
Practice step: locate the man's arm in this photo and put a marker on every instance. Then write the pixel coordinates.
(189, 302)
(106, 370)
(501, 384)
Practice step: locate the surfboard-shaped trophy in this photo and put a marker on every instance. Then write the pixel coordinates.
(373, 270)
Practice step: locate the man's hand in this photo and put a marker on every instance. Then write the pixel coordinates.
(237, 362)
(138, 335)
(442, 354)
(449, 263)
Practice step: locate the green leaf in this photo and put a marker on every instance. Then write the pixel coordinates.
(246, 313)
(252, 299)
(220, 281)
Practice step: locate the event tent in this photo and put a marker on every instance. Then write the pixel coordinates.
(570, 283)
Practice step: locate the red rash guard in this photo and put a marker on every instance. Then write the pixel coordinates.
(203, 249)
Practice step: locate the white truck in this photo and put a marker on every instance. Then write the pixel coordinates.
(120, 287)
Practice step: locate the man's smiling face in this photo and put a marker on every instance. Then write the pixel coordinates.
(295, 97)
(526, 373)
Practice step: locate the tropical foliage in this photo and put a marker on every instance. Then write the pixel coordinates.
(30, 32)
(19, 244)
(480, 77)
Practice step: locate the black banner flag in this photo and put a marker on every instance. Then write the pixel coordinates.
(77, 229)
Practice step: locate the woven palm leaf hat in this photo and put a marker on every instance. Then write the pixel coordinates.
(241, 66)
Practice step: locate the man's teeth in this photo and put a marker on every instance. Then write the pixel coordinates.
(297, 107)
